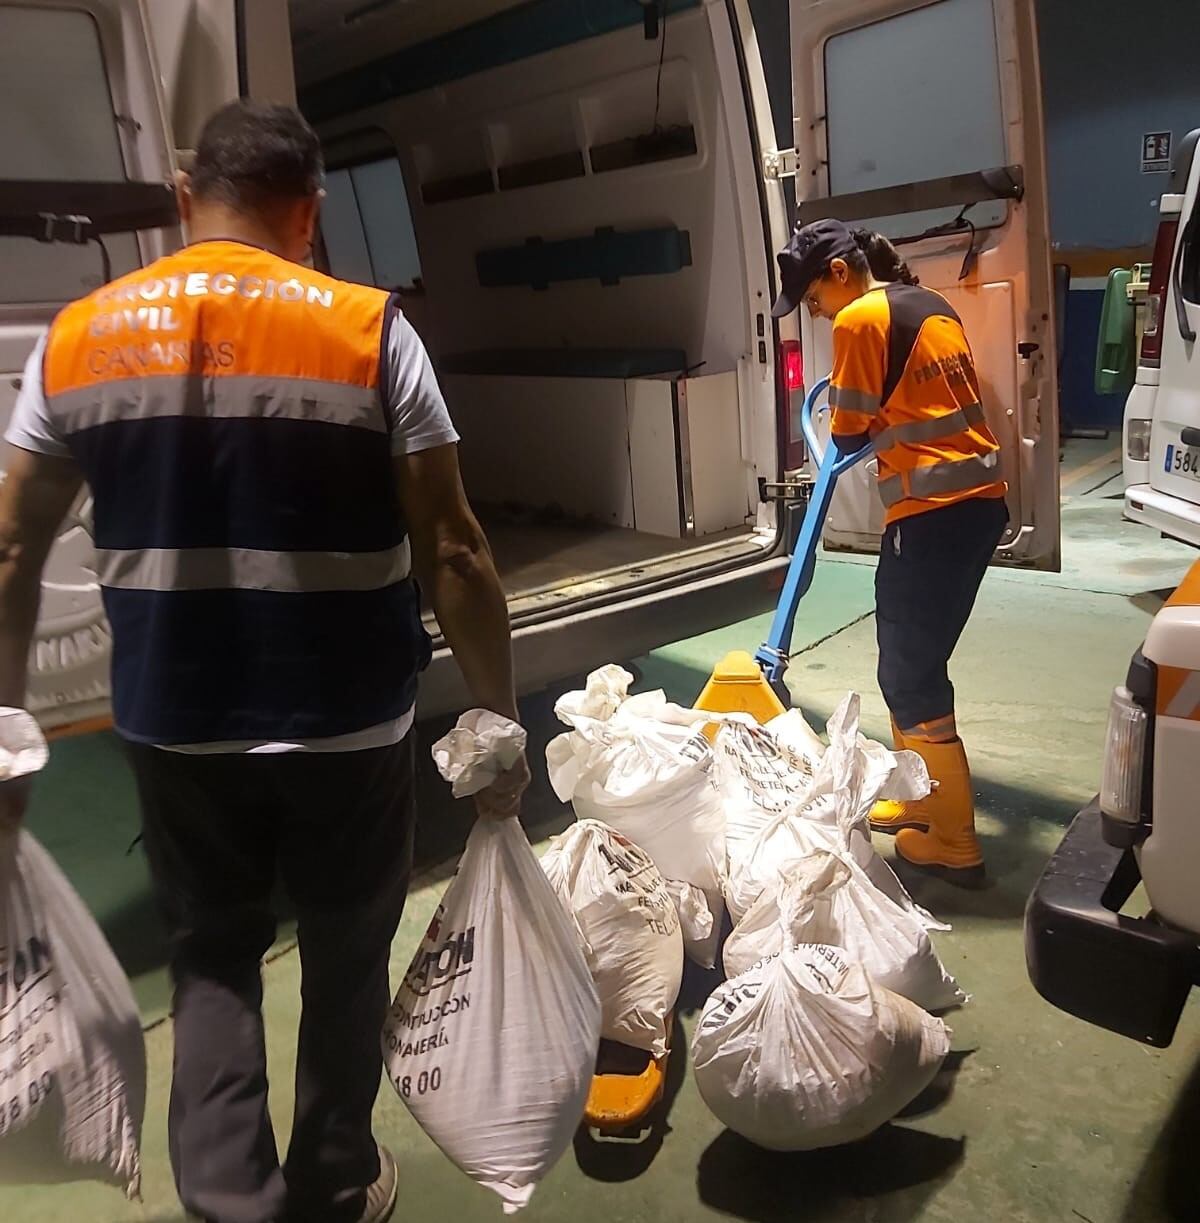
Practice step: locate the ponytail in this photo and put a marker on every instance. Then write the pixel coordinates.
(882, 258)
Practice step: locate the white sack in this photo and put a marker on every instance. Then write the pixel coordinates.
(491, 1041)
(831, 813)
(481, 747)
(643, 766)
(828, 898)
(72, 1058)
(756, 778)
(630, 927)
(799, 743)
(804, 1051)
(695, 917)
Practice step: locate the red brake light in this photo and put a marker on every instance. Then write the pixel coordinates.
(1156, 294)
(793, 364)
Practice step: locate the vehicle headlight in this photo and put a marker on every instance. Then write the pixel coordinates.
(1124, 752)
(1137, 440)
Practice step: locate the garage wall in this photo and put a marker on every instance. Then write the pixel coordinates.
(1111, 71)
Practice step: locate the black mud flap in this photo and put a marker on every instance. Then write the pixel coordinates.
(1130, 975)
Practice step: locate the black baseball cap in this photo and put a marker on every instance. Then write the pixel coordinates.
(806, 257)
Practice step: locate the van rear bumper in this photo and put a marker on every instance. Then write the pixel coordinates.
(1171, 515)
(1130, 975)
(574, 644)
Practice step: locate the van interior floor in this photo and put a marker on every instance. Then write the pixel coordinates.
(538, 555)
(1036, 1117)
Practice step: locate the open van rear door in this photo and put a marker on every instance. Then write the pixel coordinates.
(85, 172)
(922, 119)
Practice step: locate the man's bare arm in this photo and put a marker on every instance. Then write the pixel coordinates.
(454, 565)
(34, 498)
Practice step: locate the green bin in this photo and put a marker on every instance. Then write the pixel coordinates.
(1116, 344)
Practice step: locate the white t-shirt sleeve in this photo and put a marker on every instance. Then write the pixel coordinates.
(419, 416)
(31, 427)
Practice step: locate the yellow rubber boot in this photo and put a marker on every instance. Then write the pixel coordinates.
(889, 815)
(949, 848)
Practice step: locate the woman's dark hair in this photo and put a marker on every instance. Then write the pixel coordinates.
(878, 256)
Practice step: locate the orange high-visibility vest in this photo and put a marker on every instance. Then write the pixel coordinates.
(903, 373)
(224, 405)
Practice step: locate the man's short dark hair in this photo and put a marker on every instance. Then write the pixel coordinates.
(251, 155)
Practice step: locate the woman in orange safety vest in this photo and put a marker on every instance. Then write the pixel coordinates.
(904, 379)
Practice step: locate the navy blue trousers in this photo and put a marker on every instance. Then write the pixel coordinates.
(337, 828)
(930, 569)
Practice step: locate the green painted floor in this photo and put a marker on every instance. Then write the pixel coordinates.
(1037, 1117)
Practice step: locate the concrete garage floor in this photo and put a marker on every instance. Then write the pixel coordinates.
(1037, 1117)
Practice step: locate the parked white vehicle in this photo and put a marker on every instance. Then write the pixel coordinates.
(580, 205)
(1162, 412)
(1128, 973)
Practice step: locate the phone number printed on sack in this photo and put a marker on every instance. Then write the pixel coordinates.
(13, 1110)
(418, 1084)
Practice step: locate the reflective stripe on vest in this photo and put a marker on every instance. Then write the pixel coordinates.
(238, 396)
(850, 400)
(250, 569)
(935, 479)
(934, 429)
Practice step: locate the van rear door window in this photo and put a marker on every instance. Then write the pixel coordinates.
(916, 97)
(367, 226)
(53, 83)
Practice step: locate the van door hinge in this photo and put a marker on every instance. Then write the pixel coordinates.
(780, 163)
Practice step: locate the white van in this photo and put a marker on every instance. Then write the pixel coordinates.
(580, 204)
(1162, 412)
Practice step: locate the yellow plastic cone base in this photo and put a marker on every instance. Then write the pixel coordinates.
(617, 1102)
(737, 686)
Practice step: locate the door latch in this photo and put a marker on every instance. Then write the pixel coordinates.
(1026, 349)
(798, 488)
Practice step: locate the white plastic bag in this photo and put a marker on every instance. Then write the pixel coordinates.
(804, 1051)
(72, 1057)
(643, 766)
(23, 749)
(630, 926)
(491, 1041)
(829, 899)
(478, 750)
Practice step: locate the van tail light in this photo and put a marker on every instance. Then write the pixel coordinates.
(1156, 295)
(793, 365)
(1124, 753)
(1137, 440)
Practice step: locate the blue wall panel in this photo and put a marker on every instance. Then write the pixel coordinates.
(1112, 70)
(511, 35)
